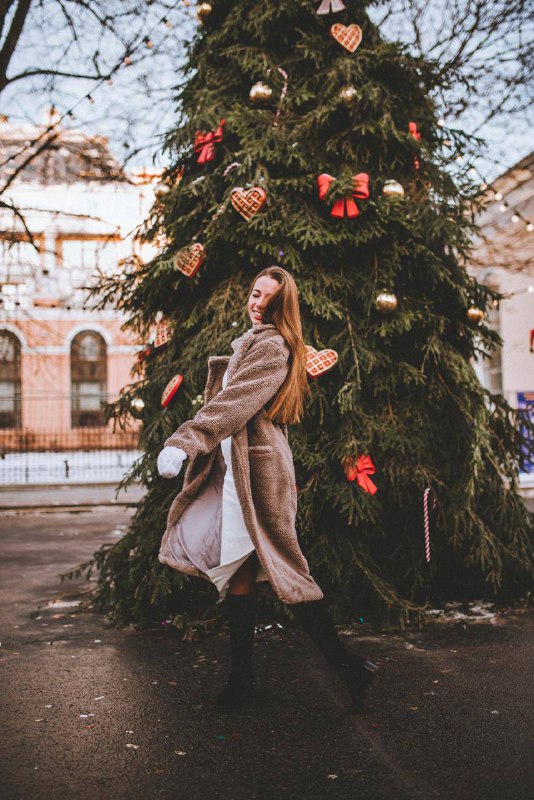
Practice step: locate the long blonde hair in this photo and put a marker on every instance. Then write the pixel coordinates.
(282, 309)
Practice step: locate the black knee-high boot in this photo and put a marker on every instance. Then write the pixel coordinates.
(355, 671)
(239, 690)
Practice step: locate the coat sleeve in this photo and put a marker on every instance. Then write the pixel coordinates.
(256, 380)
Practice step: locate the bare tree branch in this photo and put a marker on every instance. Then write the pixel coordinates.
(19, 215)
(5, 5)
(12, 38)
(47, 140)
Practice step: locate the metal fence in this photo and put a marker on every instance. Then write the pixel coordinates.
(41, 452)
(33, 440)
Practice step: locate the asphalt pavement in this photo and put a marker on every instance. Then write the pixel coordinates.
(94, 711)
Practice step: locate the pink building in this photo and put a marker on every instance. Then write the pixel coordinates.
(75, 215)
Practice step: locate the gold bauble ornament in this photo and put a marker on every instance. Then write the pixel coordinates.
(161, 190)
(393, 189)
(137, 406)
(386, 303)
(203, 11)
(474, 315)
(348, 95)
(260, 93)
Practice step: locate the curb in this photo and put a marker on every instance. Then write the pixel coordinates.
(67, 506)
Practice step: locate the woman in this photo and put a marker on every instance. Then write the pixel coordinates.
(233, 523)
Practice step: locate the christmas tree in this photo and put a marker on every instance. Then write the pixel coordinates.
(344, 181)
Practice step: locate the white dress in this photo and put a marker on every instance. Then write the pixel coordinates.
(236, 544)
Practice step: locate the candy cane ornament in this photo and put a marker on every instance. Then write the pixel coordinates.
(283, 93)
(427, 522)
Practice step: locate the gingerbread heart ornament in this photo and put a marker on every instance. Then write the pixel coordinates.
(163, 335)
(348, 36)
(170, 390)
(189, 259)
(319, 361)
(248, 202)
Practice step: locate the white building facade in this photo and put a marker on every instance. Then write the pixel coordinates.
(503, 258)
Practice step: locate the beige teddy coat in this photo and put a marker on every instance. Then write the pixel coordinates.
(262, 465)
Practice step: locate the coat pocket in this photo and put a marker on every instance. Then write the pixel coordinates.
(260, 448)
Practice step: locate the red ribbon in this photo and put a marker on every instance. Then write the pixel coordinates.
(413, 131)
(346, 206)
(532, 341)
(361, 471)
(205, 143)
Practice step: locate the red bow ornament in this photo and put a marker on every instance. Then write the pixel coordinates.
(412, 129)
(205, 143)
(360, 470)
(416, 134)
(346, 206)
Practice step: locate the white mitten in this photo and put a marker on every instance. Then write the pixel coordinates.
(170, 461)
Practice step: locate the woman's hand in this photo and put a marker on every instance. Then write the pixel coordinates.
(170, 461)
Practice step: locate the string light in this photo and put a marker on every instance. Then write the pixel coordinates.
(484, 186)
(517, 216)
(527, 290)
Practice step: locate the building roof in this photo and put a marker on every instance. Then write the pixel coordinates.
(505, 237)
(514, 176)
(50, 154)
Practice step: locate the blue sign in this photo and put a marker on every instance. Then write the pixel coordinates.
(525, 402)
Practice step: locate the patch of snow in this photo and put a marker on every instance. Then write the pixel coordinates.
(477, 611)
(63, 604)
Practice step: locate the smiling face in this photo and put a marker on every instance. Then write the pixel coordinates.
(264, 288)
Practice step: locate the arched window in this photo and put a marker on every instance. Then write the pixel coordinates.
(88, 368)
(9, 380)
